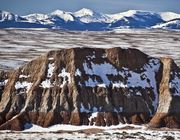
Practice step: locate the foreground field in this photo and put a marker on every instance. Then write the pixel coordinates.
(127, 132)
(18, 46)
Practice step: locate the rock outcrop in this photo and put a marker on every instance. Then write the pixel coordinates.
(168, 112)
(91, 86)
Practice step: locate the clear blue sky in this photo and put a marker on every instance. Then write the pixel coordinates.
(23, 7)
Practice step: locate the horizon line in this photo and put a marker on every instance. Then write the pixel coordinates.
(46, 13)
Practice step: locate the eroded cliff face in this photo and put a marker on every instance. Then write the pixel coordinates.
(91, 86)
(168, 111)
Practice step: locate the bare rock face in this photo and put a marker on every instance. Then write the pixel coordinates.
(91, 86)
(168, 111)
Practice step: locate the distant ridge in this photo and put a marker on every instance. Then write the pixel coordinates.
(87, 19)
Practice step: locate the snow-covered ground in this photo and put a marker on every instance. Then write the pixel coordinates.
(18, 46)
(69, 132)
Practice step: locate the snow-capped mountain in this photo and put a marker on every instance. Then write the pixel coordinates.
(119, 16)
(66, 16)
(87, 19)
(135, 19)
(36, 17)
(167, 16)
(84, 12)
(7, 16)
(89, 16)
(10, 20)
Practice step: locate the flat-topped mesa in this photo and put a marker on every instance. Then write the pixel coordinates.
(83, 86)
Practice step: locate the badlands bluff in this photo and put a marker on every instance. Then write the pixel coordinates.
(91, 86)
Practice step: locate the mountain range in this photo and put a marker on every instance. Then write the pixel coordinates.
(87, 19)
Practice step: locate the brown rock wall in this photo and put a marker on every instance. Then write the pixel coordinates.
(53, 89)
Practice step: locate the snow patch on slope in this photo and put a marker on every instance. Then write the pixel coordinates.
(105, 69)
(118, 16)
(64, 15)
(78, 72)
(101, 70)
(66, 77)
(88, 16)
(47, 82)
(50, 70)
(3, 83)
(167, 25)
(36, 17)
(119, 85)
(84, 12)
(131, 79)
(7, 16)
(175, 85)
(24, 76)
(167, 16)
(23, 85)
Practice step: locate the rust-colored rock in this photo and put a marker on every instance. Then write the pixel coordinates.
(75, 118)
(136, 119)
(64, 117)
(100, 120)
(111, 118)
(16, 123)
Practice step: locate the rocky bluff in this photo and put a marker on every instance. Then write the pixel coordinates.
(91, 86)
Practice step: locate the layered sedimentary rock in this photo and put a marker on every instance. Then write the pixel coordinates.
(168, 111)
(91, 86)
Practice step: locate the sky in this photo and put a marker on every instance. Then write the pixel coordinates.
(24, 7)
